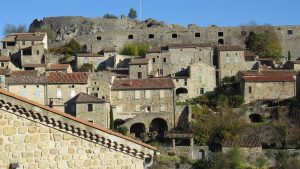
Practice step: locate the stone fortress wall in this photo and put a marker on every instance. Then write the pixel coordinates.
(99, 33)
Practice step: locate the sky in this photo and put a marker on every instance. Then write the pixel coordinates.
(183, 12)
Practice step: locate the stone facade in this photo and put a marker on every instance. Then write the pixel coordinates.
(98, 61)
(99, 85)
(32, 55)
(37, 144)
(36, 92)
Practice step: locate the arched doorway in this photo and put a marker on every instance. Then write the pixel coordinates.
(137, 129)
(181, 90)
(201, 154)
(158, 126)
(255, 118)
(118, 123)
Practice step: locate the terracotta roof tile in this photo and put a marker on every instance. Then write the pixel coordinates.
(269, 78)
(24, 73)
(4, 71)
(109, 49)
(29, 36)
(152, 83)
(139, 61)
(242, 143)
(270, 72)
(229, 48)
(4, 58)
(58, 67)
(26, 80)
(67, 78)
(88, 55)
(75, 119)
(85, 98)
(34, 65)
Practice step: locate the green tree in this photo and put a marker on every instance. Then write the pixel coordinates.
(110, 16)
(87, 67)
(123, 130)
(261, 162)
(134, 49)
(236, 158)
(132, 14)
(265, 44)
(236, 101)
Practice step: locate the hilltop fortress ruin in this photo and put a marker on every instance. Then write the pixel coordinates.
(97, 34)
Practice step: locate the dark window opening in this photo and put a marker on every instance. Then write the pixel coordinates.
(99, 38)
(11, 43)
(90, 107)
(139, 75)
(165, 60)
(96, 94)
(103, 97)
(243, 33)
(250, 89)
(181, 91)
(153, 60)
(32, 42)
(197, 35)
(289, 55)
(151, 36)
(4, 45)
(290, 32)
(202, 91)
(24, 43)
(220, 34)
(255, 118)
(157, 56)
(140, 66)
(2, 64)
(130, 37)
(221, 41)
(185, 82)
(27, 52)
(38, 52)
(174, 35)
(149, 108)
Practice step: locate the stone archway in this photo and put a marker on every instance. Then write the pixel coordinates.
(158, 126)
(181, 90)
(137, 129)
(118, 123)
(255, 118)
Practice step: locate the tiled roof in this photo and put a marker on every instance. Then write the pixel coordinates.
(29, 36)
(85, 98)
(26, 80)
(296, 62)
(270, 72)
(9, 38)
(34, 65)
(229, 48)
(265, 59)
(58, 67)
(277, 78)
(67, 78)
(24, 73)
(4, 71)
(155, 50)
(151, 83)
(88, 55)
(242, 143)
(109, 49)
(179, 134)
(57, 117)
(179, 46)
(4, 58)
(139, 61)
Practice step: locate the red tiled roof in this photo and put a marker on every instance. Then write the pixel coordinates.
(85, 98)
(29, 36)
(229, 48)
(58, 67)
(152, 83)
(75, 119)
(269, 78)
(155, 50)
(24, 73)
(4, 71)
(26, 80)
(67, 78)
(4, 58)
(242, 143)
(34, 65)
(270, 72)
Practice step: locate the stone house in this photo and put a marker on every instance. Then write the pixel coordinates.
(251, 60)
(229, 60)
(97, 60)
(58, 68)
(32, 54)
(42, 137)
(99, 84)
(294, 65)
(62, 87)
(131, 97)
(200, 80)
(33, 87)
(5, 62)
(272, 85)
(92, 109)
(139, 68)
(175, 59)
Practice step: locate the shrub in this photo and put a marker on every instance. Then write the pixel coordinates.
(123, 130)
(110, 16)
(132, 14)
(87, 67)
(236, 101)
(134, 49)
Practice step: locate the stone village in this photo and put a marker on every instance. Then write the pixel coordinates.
(60, 114)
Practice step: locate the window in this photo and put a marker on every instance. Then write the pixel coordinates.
(197, 35)
(71, 86)
(120, 94)
(290, 32)
(250, 89)
(99, 38)
(32, 42)
(24, 87)
(37, 86)
(161, 94)
(185, 82)
(148, 109)
(4, 45)
(24, 43)
(147, 94)
(58, 93)
(73, 93)
(165, 60)
(137, 94)
(38, 52)
(157, 56)
(201, 90)
(221, 41)
(151, 36)
(95, 83)
(153, 60)
(177, 80)
(2, 64)
(160, 71)
(86, 60)
(139, 75)
(140, 66)
(174, 35)
(137, 107)
(98, 88)
(130, 36)
(96, 94)
(220, 34)
(243, 33)
(90, 107)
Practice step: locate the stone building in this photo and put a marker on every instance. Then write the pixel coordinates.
(36, 136)
(268, 85)
(33, 87)
(200, 80)
(294, 65)
(139, 68)
(58, 68)
(92, 109)
(99, 84)
(97, 60)
(5, 62)
(62, 87)
(231, 59)
(32, 54)
(175, 59)
(131, 97)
